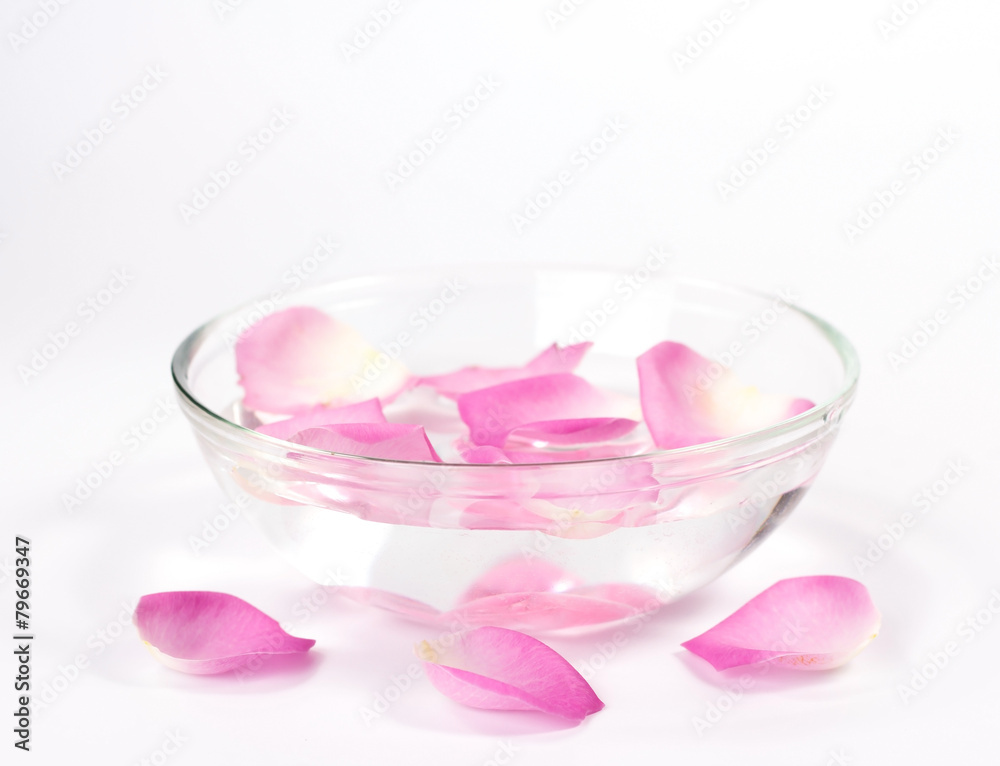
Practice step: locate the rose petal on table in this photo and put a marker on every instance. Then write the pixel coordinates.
(390, 441)
(535, 406)
(806, 623)
(688, 399)
(500, 669)
(368, 411)
(295, 359)
(204, 632)
(552, 360)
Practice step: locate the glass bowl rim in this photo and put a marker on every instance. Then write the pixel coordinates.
(820, 412)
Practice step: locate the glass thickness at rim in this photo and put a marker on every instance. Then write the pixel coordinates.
(803, 422)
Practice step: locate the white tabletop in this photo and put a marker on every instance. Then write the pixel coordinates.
(296, 120)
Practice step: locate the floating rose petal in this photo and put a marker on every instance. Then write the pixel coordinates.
(368, 411)
(560, 408)
(688, 399)
(202, 632)
(806, 623)
(500, 514)
(500, 669)
(390, 441)
(298, 358)
(552, 360)
(495, 455)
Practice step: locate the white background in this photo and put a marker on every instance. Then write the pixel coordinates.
(353, 115)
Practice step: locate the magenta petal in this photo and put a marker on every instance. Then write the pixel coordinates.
(390, 441)
(501, 514)
(807, 623)
(575, 431)
(535, 405)
(501, 669)
(203, 632)
(688, 399)
(552, 360)
(368, 411)
(298, 358)
(493, 455)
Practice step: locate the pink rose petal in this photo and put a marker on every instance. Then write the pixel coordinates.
(390, 441)
(500, 514)
(494, 455)
(552, 360)
(575, 430)
(561, 408)
(688, 399)
(806, 623)
(298, 358)
(368, 411)
(500, 669)
(203, 632)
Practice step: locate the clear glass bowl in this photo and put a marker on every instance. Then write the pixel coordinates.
(594, 542)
